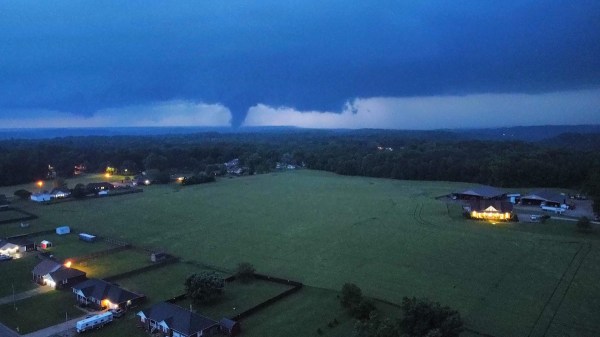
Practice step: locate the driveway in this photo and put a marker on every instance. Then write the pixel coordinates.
(26, 294)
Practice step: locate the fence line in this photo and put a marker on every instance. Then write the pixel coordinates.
(142, 269)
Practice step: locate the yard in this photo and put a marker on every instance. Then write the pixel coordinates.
(113, 264)
(390, 237)
(69, 245)
(40, 311)
(17, 273)
(237, 297)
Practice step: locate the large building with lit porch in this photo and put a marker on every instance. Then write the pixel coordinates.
(493, 210)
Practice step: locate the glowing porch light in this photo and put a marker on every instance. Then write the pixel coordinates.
(40, 184)
(68, 264)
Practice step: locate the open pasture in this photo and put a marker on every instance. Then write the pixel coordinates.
(392, 238)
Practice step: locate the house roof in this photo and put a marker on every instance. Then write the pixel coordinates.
(227, 323)
(101, 184)
(46, 267)
(178, 318)
(64, 273)
(19, 241)
(5, 244)
(545, 195)
(60, 190)
(102, 290)
(483, 191)
(496, 206)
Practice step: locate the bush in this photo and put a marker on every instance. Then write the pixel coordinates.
(245, 272)
(198, 179)
(23, 194)
(351, 295)
(425, 318)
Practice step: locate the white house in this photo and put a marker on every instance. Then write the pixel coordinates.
(7, 248)
(40, 197)
(59, 193)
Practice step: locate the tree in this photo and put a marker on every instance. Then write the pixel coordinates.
(79, 191)
(156, 161)
(204, 287)
(129, 167)
(245, 271)
(584, 224)
(376, 327)
(23, 194)
(425, 318)
(351, 296)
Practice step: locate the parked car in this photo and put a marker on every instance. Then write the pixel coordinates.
(117, 312)
(535, 217)
(5, 257)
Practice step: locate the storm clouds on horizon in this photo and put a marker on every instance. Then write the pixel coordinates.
(341, 64)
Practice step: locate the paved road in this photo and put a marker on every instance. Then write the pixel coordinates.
(6, 332)
(63, 329)
(25, 294)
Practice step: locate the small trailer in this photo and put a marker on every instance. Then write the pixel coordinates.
(87, 237)
(94, 322)
(557, 210)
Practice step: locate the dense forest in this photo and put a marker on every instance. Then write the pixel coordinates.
(388, 154)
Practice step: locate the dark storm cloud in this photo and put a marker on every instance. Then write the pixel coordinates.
(82, 57)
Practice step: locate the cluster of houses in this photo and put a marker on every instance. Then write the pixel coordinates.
(99, 188)
(99, 294)
(491, 203)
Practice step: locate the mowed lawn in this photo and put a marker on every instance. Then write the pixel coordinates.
(47, 309)
(392, 238)
(17, 273)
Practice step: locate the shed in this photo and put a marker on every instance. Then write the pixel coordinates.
(229, 327)
(63, 230)
(157, 257)
(87, 237)
(45, 244)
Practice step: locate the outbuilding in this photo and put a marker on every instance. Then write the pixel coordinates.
(87, 237)
(549, 198)
(45, 244)
(63, 230)
(481, 192)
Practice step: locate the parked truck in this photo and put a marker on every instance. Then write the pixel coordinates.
(94, 322)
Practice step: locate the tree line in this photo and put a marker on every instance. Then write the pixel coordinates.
(384, 154)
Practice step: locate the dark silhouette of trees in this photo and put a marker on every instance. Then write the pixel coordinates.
(204, 287)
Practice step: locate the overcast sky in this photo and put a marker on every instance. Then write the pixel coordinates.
(348, 64)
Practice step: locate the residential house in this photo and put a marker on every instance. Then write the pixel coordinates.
(40, 197)
(98, 187)
(24, 244)
(59, 193)
(101, 294)
(8, 248)
(56, 275)
(176, 321)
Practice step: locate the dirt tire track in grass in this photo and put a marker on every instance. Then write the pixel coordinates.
(558, 284)
(585, 254)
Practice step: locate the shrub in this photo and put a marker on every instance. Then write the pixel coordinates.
(351, 295)
(23, 194)
(425, 318)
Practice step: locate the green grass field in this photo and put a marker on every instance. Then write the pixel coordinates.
(40, 311)
(17, 273)
(392, 238)
(112, 264)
